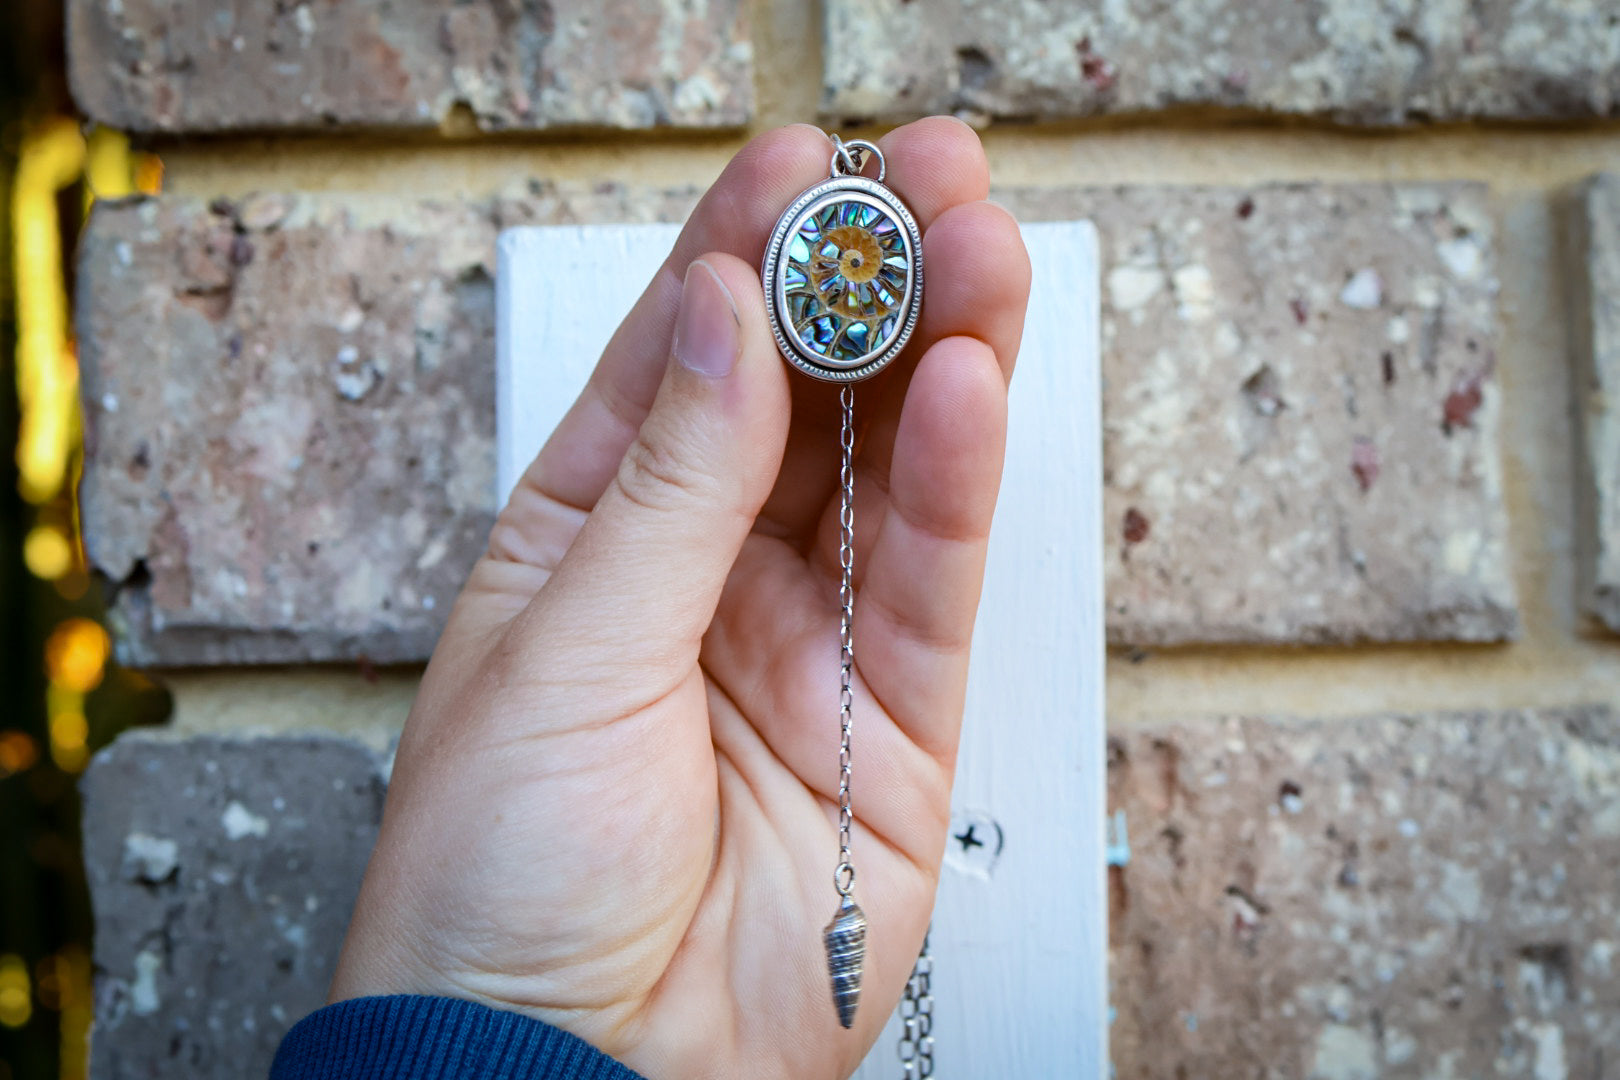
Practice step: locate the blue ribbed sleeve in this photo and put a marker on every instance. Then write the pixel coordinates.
(429, 1038)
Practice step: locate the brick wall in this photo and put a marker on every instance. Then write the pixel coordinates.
(1361, 331)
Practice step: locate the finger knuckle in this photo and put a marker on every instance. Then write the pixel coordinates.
(654, 476)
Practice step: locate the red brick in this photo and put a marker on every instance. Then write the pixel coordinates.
(290, 446)
(1594, 235)
(1393, 896)
(202, 65)
(1283, 457)
(1353, 62)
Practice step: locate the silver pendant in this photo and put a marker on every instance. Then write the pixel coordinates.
(843, 280)
(844, 272)
(845, 939)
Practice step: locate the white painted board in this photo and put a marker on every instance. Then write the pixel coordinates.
(1020, 945)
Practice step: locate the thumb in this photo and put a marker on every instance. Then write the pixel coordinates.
(648, 565)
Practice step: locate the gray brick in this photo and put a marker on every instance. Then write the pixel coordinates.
(222, 874)
(1393, 896)
(1300, 413)
(204, 65)
(1378, 896)
(290, 416)
(290, 424)
(1595, 244)
(1352, 62)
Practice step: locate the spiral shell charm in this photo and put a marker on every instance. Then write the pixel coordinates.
(845, 938)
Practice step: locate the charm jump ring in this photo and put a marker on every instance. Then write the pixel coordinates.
(850, 157)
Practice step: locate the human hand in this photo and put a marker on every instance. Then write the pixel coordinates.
(613, 807)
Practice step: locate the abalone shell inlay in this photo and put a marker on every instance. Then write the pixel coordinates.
(845, 279)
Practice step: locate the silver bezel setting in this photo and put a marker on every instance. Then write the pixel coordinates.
(807, 360)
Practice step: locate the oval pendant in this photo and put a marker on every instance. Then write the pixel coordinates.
(843, 273)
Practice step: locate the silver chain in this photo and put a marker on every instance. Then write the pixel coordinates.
(917, 1013)
(917, 1007)
(844, 876)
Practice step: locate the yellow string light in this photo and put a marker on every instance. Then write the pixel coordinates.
(76, 661)
(107, 167)
(76, 655)
(16, 997)
(47, 552)
(73, 973)
(53, 155)
(148, 174)
(70, 734)
(51, 158)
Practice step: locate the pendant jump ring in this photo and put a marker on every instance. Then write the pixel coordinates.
(849, 158)
(844, 879)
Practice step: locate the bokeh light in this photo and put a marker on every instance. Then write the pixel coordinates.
(76, 655)
(75, 1006)
(52, 158)
(47, 552)
(18, 752)
(54, 169)
(16, 999)
(70, 734)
